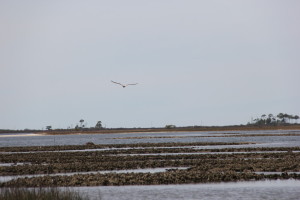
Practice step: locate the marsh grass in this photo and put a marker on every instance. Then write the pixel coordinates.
(39, 194)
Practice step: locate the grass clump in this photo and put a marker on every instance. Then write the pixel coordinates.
(39, 194)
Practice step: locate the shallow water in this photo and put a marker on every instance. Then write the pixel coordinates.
(128, 138)
(269, 190)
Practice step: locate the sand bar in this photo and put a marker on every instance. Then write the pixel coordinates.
(21, 135)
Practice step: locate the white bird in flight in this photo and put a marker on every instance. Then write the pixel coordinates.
(124, 85)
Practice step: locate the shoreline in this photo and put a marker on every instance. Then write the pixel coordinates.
(13, 133)
(179, 129)
(20, 135)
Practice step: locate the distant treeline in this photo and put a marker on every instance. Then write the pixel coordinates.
(264, 121)
(271, 119)
(19, 131)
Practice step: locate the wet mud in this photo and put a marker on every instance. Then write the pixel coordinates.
(240, 164)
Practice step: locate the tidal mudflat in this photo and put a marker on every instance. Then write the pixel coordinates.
(185, 163)
(141, 162)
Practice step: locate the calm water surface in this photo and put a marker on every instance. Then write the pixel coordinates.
(269, 190)
(129, 138)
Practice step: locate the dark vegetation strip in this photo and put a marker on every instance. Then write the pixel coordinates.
(265, 162)
(35, 156)
(61, 156)
(174, 177)
(95, 157)
(39, 194)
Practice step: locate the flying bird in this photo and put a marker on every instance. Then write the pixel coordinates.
(124, 85)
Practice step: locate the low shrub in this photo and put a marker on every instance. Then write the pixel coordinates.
(39, 194)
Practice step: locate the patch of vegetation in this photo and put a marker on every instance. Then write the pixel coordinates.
(279, 119)
(39, 194)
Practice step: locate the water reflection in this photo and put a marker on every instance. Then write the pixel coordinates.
(270, 190)
(165, 137)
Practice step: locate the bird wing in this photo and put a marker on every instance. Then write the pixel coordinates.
(117, 83)
(132, 84)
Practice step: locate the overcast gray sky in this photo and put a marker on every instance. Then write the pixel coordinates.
(197, 62)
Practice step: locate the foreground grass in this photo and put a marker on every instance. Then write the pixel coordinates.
(39, 194)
